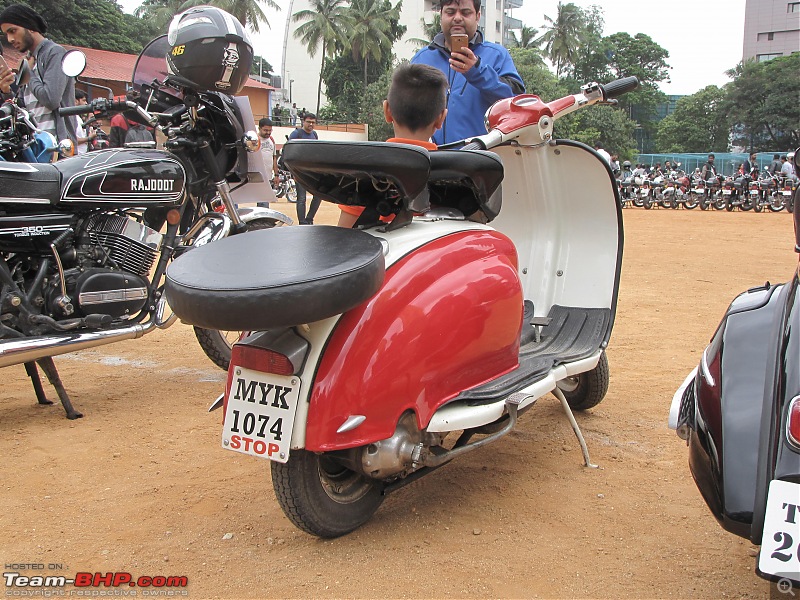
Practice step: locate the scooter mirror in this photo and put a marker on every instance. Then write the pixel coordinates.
(73, 63)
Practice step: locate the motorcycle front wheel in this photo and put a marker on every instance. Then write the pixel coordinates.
(291, 192)
(322, 497)
(217, 344)
(691, 202)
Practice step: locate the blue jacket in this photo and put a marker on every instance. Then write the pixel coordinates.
(493, 78)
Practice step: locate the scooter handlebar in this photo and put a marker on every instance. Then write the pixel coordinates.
(616, 88)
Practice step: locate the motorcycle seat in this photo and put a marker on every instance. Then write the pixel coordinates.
(239, 284)
(467, 180)
(30, 183)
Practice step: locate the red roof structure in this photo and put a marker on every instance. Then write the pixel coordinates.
(109, 66)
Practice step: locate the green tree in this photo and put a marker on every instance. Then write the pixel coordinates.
(700, 123)
(322, 25)
(372, 108)
(158, 13)
(563, 36)
(248, 12)
(763, 103)
(371, 30)
(429, 30)
(261, 67)
(538, 78)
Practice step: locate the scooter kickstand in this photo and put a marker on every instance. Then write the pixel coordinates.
(565, 405)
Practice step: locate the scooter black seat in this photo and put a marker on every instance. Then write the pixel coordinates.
(467, 180)
(359, 173)
(30, 183)
(275, 278)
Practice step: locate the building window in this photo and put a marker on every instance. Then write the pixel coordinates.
(764, 37)
(766, 57)
(497, 26)
(497, 4)
(793, 7)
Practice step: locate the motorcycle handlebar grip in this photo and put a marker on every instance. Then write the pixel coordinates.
(615, 88)
(75, 110)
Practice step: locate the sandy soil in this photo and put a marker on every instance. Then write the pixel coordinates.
(142, 485)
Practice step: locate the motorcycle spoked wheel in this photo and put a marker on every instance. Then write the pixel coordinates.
(216, 344)
(776, 204)
(758, 207)
(323, 497)
(291, 193)
(690, 203)
(720, 204)
(588, 389)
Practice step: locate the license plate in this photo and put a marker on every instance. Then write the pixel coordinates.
(780, 542)
(260, 414)
(787, 192)
(754, 192)
(699, 191)
(726, 192)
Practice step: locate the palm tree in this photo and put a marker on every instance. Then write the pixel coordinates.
(563, 36)
(160, 12)
(429, 30)
(322, 24)
(247, 11)
(527, 38)
(371, 29)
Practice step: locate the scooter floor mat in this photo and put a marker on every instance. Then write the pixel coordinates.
(573, 333)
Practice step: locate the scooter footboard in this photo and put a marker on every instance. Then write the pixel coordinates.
(561, 209)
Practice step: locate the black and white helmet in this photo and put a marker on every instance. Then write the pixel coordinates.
(209, 50)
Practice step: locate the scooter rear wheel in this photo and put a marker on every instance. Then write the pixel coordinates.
(587, 389)
(321, 496)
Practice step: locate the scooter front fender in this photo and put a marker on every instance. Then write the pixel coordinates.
(447, 318)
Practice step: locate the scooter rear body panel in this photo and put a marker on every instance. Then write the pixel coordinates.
(447, 319)
(731, 393)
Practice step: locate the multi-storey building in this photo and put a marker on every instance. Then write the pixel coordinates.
(300, 72)
(771, 29)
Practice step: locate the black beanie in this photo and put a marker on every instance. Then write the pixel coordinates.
(24, 16)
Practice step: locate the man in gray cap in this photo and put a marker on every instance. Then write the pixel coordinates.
(48, 88)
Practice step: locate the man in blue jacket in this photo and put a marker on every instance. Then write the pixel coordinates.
(479, 75)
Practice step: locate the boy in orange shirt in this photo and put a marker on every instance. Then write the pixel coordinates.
(416, 106)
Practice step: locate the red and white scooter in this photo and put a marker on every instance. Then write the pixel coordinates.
(380, 353)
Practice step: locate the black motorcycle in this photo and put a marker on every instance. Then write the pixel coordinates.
(85, 241)
(739, 412)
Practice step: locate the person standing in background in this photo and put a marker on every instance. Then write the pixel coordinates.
(478, 75)
(48, 88)
(268, 151)
(306, 132)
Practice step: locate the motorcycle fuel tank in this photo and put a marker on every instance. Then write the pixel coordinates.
(119, 178)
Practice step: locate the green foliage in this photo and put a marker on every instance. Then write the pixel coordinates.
(605, 124)
(375, 28)
(372, 108)
(700, 123)
(537, 77)
(763, 103)
(92, 24)
(261, 67)
(563, 36)
(248, 12)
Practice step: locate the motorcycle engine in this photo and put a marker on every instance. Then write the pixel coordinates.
(116, 254)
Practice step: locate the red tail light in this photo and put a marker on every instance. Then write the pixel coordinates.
(793, 423)
(260, 359)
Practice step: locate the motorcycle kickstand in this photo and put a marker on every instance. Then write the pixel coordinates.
(49, 368)
(568, 411)
(33, 373)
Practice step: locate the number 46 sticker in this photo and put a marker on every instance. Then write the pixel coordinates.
(780, 542)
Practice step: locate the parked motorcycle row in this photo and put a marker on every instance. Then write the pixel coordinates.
(377, 354)
(678, 190)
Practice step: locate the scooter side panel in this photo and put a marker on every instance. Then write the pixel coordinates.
(730, 401)
(447, 319)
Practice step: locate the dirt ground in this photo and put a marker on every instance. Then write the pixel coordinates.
(142, 485)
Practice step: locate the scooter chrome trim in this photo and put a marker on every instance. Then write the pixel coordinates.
(675, 406)
(351, 423)
(706, 372)
(457, 416)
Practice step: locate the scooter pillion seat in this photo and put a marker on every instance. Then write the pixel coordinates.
(275, 278)
(394, 176)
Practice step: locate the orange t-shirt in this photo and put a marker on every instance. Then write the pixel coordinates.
(357, 210)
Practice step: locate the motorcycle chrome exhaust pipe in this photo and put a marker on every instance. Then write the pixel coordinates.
(19, 351)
